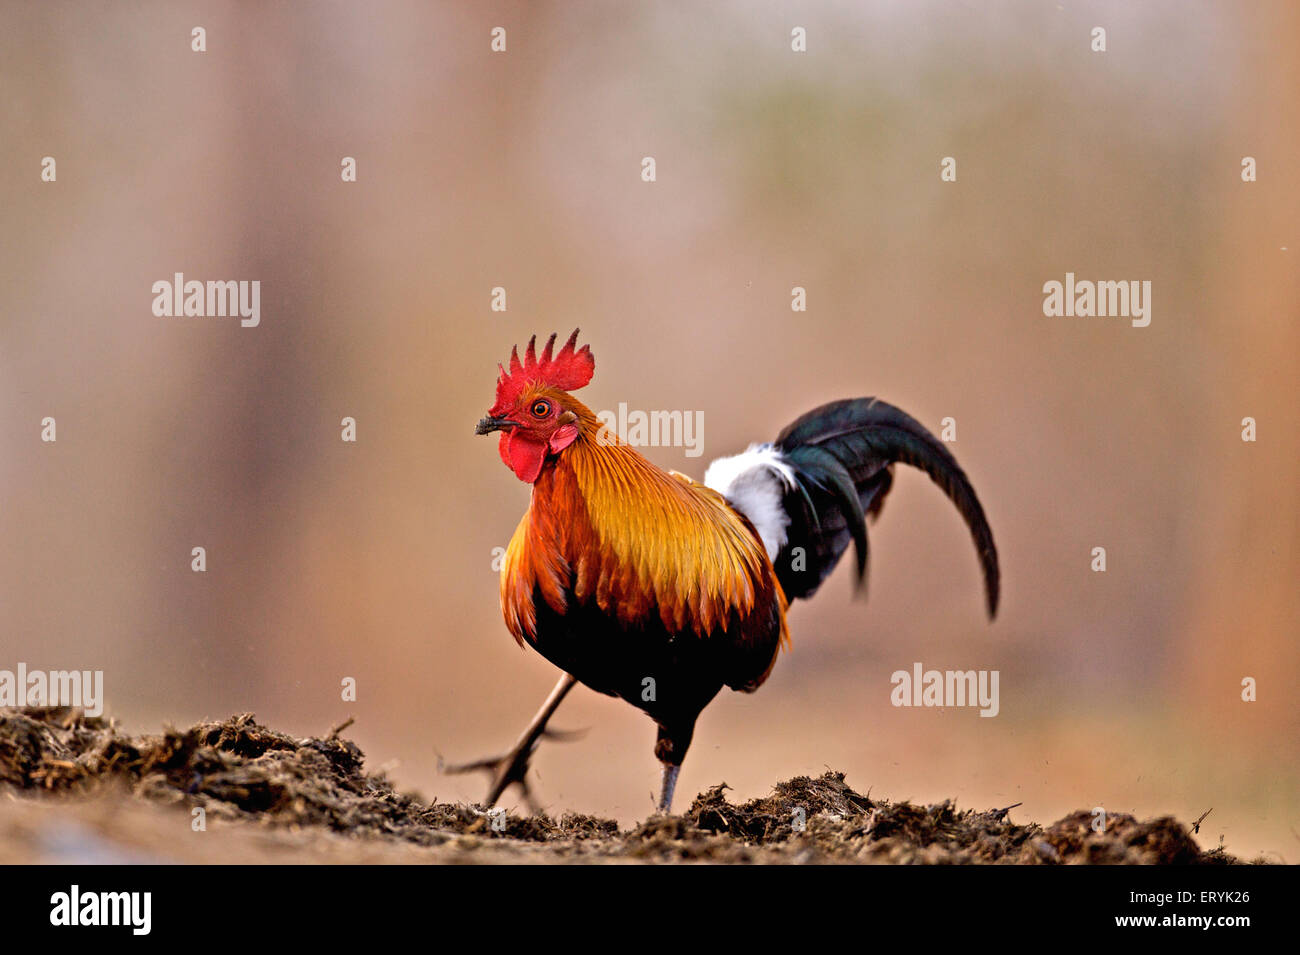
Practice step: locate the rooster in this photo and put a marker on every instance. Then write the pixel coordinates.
(643, 584)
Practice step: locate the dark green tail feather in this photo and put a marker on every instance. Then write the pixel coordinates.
(841, 454)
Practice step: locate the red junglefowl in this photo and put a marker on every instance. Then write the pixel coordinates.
(645, 585)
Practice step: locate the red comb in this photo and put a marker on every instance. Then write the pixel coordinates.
(568, 371)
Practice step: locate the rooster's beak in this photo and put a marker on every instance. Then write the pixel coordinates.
(489, 424)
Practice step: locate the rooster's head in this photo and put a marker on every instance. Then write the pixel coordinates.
(534, 411)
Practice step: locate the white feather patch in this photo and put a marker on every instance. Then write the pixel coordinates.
(754, 483)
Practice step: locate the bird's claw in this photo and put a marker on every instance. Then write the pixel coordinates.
(510, 769)
(503, 772)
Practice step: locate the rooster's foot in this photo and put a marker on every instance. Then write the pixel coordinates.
(512, 768)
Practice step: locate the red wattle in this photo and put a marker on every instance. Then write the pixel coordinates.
(524, 455)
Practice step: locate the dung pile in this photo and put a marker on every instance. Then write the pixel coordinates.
(247, 774)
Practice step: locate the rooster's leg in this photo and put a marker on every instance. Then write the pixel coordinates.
(513, 766)
(670, 749)
(670, 784)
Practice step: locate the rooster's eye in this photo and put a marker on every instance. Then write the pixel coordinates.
(541, 409)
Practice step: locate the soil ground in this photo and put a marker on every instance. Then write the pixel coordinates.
(75, 789)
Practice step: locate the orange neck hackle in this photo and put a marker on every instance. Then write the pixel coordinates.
(606, 524)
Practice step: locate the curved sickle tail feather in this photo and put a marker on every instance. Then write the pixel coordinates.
(841, 455)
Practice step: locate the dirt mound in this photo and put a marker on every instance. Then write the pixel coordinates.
(244, 773)
(834, 822)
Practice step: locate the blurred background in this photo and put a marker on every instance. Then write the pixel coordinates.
(775, 169)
